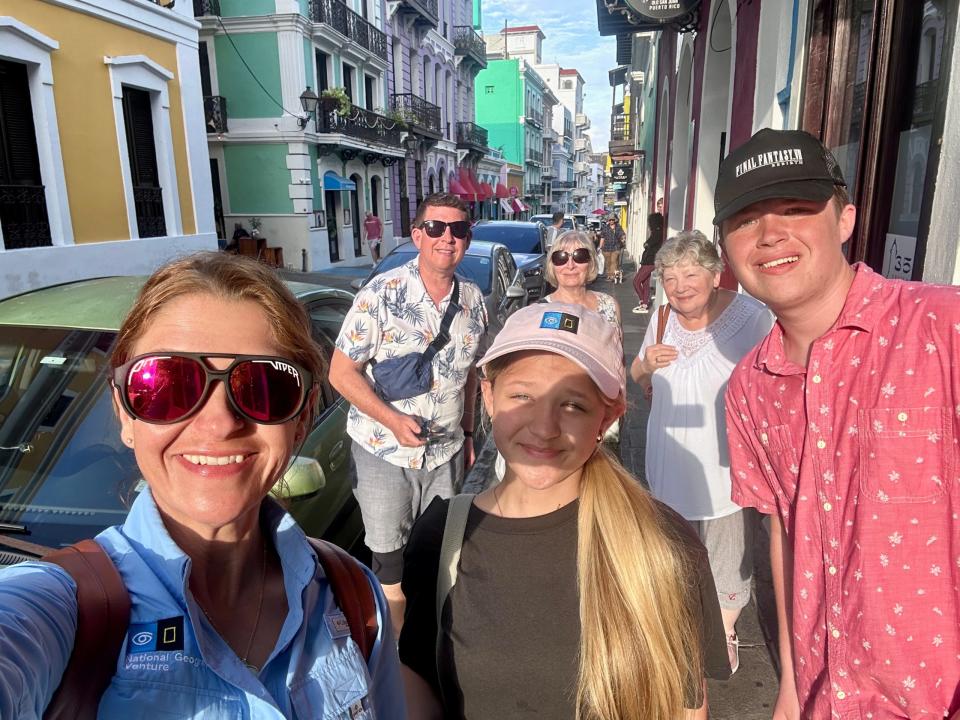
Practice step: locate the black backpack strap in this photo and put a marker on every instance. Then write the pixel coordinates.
(443, 336)
(103, 616)
(352, 593)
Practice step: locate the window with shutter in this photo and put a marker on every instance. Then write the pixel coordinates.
(142, 151)
(23, 205)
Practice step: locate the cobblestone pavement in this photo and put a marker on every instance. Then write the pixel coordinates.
(750, 694)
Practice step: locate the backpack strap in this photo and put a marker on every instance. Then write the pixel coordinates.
(457, 512)
(352, 593)
(103, 616)
(662, 312)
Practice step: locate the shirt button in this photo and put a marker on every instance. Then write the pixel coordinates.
(841, 694)
(902, 417)
(821, 444)
(832, 570)
(763, 437)
(835, 633)
(816, 379)
(827, 506)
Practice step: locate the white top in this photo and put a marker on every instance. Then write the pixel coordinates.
(687, 462)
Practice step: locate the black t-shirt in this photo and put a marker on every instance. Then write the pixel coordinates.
(512, 621)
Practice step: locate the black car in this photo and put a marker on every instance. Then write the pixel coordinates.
(527, 242)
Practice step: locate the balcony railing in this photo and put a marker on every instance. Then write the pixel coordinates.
(563, 185)
(345, 21)
(423, 117)
(206, 7)
(148, 202)
(547, 171)
(471, 136)
(533, 191)
(215, 110)
(424, 11)
(468, 43)
(535, 117)
(359, 123)
(583, 121)
(534, 156)
(23, 217)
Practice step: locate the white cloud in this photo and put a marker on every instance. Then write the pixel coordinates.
(573, 41)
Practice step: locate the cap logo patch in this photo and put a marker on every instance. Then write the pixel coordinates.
(772, 158)
(560, 321)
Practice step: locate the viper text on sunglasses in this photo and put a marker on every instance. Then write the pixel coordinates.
(580, 256)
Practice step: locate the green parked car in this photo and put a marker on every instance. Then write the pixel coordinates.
(65, 475)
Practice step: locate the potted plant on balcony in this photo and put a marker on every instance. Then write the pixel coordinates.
(336, 99)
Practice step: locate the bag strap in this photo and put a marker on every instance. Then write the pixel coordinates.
(453, 530)
(443, 336)
(662, 312)
(352, 593)
(103, 616)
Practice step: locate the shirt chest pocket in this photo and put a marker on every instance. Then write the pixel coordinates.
(906, 454)
(127, 698)
(336, 688)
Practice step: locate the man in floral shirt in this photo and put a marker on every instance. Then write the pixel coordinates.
(399, 467)
(842, 426)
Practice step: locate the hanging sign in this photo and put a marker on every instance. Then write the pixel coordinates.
(621, 173)
(662, 10)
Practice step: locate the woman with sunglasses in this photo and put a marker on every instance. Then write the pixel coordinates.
(572, 266)
(215, 387)
(577, 595)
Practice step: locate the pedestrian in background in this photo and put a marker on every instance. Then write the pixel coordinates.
(843, 425)
(577, 595)
(556, 227)
(373, 228)
(706, 330)
(641, 281)
(612, 242)
(408, 450)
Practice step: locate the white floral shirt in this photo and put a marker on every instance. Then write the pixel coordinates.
(393, 316)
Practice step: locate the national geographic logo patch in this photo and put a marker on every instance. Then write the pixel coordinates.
(159, 636)
(560, 321)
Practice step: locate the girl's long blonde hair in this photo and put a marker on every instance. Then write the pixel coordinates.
(641, 654)
(640, 642)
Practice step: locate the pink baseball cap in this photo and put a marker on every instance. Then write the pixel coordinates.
(572, 331)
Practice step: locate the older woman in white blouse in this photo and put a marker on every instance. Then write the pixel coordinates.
(707, 331)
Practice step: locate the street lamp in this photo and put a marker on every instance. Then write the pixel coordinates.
(308, 101)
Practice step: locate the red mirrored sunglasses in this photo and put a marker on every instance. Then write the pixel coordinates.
(162, 388)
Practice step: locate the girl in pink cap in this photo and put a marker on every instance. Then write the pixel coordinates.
(567, 590)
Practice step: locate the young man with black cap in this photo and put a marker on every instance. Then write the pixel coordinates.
(842, 426)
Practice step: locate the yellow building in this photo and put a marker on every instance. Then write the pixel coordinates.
(103, 150)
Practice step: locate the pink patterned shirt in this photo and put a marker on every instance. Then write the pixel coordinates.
(857, 453)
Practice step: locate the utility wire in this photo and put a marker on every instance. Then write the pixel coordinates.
(252, 74)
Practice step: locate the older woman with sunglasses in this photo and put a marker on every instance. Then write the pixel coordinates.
(231, 614)
(571, 267)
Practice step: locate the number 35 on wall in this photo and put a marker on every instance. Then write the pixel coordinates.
(898, 256)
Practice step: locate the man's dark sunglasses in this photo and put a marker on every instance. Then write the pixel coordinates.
(580, 256)
(435, 228)
(162, 388)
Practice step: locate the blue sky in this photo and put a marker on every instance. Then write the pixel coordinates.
(572, 41)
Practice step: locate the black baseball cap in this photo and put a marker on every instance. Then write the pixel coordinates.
(775, 164)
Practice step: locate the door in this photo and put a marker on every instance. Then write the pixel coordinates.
(142, 155)
(217, 199)
(330, 201)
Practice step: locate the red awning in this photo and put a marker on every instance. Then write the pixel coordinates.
(457, 188)
(502, 191)
(486, 192)
(467, 182)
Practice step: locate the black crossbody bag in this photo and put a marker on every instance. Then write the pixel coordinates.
(407, 376)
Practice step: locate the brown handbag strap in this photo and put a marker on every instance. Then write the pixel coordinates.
(352, 592)
(103, 615)
(662, 312)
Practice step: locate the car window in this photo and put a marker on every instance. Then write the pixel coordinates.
(326, 318)
(518, 237)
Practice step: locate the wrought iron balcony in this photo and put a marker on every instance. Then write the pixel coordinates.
(563, 185)
(348, 23)
(534, 156)
(148, 202)
(471, 136)
(358, 123)
(422, 117)
(215, 110)
(424, 12)
(533, 191)
(470, 45)
(202, 8)
(23, 217)
(535, 117)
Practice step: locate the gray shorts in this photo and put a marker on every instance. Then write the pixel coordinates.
(391, 498)
(729, 541)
